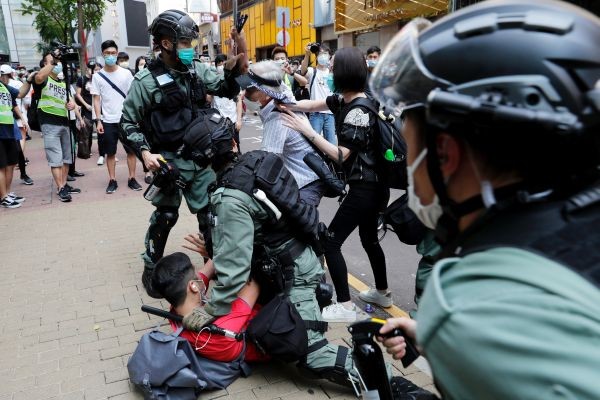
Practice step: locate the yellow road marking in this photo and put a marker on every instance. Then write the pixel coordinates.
(361, 286)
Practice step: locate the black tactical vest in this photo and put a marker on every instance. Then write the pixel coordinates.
(177, 108)
(265, 171)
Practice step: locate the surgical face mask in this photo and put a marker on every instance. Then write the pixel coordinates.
(57, 69)
(221, 69)
(141, 67)
(124, 64)
(281, 63)
(110, 60)
(371, 63)
(323, 59)
(430, 213)
(186, 55)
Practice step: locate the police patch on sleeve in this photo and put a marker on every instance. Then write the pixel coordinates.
(357, 117)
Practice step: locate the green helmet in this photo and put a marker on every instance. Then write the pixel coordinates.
(174, 23)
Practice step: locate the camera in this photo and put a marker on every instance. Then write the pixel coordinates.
(64, 53)
(91, 65)
(314, 47)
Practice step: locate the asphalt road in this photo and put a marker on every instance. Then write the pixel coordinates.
(401, 259)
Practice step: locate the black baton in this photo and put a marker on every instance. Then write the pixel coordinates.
(162, 313)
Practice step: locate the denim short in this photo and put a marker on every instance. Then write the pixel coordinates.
(57, 144)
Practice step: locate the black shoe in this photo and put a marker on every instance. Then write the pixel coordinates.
(148, 179)
(70, 178)
(71, 189)
(28, 137)
(133, 184)
(112, 186)
(77, 174)
(26, 180)
(63, 195)
(147, 282)
(403, 389)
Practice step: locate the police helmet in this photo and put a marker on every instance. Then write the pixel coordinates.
(503, 70)
(209, 139)
(174, 23)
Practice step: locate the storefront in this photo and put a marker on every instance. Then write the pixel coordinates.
(271, 23)
(367, 23)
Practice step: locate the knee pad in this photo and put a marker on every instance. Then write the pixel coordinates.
(166, 217)
(324, 294)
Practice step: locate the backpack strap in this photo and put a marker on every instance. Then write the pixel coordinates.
(316, 326)
(314, 75)
(115, 87)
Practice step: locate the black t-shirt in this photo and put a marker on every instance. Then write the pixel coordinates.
(85, 84)
(354, 128)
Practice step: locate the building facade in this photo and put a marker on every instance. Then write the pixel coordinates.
(18, 36)
(271, 23)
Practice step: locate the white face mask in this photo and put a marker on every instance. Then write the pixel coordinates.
(323, 59)
(124, 64)
(221, 69)
(430, 213)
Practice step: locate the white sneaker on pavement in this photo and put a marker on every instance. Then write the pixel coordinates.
(100, 160)
(338, 313)
(374, 297)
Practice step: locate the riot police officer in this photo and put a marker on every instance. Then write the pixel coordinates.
(260, 227)
(162, 102)
(502, 121)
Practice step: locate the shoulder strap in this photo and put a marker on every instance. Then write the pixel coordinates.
(366, 103)
(111, 84)
(314, 75)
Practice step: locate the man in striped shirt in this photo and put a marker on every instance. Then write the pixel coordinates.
(264, 86)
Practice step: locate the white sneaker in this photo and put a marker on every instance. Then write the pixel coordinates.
(338, 313)
(100, 160)
(15, 198)
(374, 297)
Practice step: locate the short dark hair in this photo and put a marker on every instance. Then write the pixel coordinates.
(219, 58)
(43, 60)
(171, 276)
(122, 55)
(373, 49)
(108, 43)
(350, 70)
(277, 50)
(326, 48)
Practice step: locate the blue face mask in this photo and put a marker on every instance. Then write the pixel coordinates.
(57, 69)
(186, 55)
(371, 63)
(110, 60)
(330, 83)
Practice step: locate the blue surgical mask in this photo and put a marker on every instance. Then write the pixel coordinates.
(110, 60)
(371, 63)
(323, 59)
(186, 55)
(57, 69)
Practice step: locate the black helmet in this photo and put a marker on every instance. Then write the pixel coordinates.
(498, 66)
(174, 23)
(208, 139)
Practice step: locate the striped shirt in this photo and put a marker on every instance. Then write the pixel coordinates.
(292, 146)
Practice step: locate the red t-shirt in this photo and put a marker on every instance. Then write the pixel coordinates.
(222, 348)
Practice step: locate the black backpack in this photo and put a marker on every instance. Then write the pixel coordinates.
(390, 147)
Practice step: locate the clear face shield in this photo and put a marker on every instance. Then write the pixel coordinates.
(400, 81)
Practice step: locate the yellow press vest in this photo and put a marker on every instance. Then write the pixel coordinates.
(6, 113)
(54, 98)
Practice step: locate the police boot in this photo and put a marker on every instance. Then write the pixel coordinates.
(324, 294)
(403, 389)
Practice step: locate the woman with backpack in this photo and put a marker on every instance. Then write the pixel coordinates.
(367, 195)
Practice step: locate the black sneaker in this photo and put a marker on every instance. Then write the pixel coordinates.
(8, 202)
(28, 137)
(26, 180)
(403, 389)
(70, 178)
(112, 186)
(77, 174)
(71, 189)
(63, 195)
(133, 184)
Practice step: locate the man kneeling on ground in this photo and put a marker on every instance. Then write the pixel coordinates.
(176, 280)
